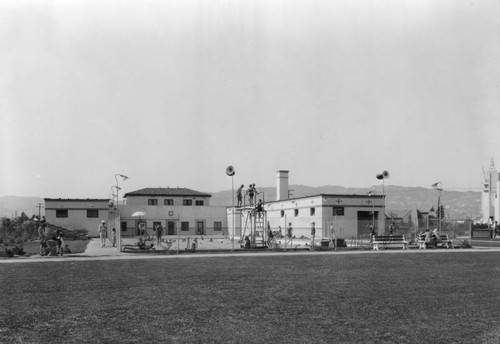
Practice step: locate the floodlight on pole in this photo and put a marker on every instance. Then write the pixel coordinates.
(383, 176)
(231, 172)
(119, 231)
(439, 213)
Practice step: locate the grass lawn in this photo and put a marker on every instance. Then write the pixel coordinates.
(424, 297)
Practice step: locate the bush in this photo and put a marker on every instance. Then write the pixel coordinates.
(465, 244)
(14, 251)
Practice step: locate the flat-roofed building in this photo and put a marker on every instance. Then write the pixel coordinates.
(340, 215)
(76, 213)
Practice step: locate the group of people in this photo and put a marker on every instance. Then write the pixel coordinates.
(103, 234)
(251, 193)
(431, 239)
(43, 236)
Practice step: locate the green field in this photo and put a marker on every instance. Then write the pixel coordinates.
(381, 297)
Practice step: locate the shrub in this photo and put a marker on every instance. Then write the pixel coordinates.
(465, 244)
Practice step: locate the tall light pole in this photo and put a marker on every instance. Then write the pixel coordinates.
(119, 229)
(230, 172)
(439, 213)
(373, 208)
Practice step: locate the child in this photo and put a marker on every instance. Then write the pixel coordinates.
(113, 237)
(60, 244)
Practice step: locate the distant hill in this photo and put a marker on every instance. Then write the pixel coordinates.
(399, 199)
(10, 205)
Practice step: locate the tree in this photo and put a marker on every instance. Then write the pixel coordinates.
(440, 212)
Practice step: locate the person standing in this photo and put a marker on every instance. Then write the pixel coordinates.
(289, 232)
(371, 229)
(113, 237)
(41, 231)
(270, 235)
(159, 232)
(239, 195)
(102, 233)
(313, 233)
(391, 228)
(60, 243)
(250, 193)
(260, 208)
(333, 239)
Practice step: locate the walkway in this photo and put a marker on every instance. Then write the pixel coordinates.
(94, 249)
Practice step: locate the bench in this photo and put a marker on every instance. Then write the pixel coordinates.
(444, 241)
(384, 240)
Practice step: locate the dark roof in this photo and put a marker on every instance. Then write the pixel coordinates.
(174, 192)
(76, 200)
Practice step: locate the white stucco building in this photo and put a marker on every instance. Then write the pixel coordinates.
(77, 214)
(179, 210)
(349, 215)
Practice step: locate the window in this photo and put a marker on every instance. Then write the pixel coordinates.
(338, 211)
(282, 213)
(61, 212)
(168, 202)
(184, 226)
(187, 202)
(217, 226)
(199, 202)
(313, 211)
(92, 213)
(124, 226)
(296, 212)
(152, 202)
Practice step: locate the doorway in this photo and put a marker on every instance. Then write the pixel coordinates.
(200, 227)
(170, 228)
(365, 219)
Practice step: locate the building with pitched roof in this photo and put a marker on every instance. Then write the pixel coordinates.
(180, 211)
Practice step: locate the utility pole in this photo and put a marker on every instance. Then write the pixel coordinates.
(39, 206)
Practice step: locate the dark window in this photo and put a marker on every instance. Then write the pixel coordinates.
(199, 202)
(282, 213)
(313, 211)
(61, 212)
(184, 226)
(152, 202)
(217, 226)
(338, 211)
(187, 202)
(168, 202)
(124, 226)
(296, 212)
(92, 213)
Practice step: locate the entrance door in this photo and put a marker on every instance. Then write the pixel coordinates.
(170, 228)
(200, 227)
(365, 219)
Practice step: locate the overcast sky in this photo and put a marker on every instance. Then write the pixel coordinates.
(170, 93)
